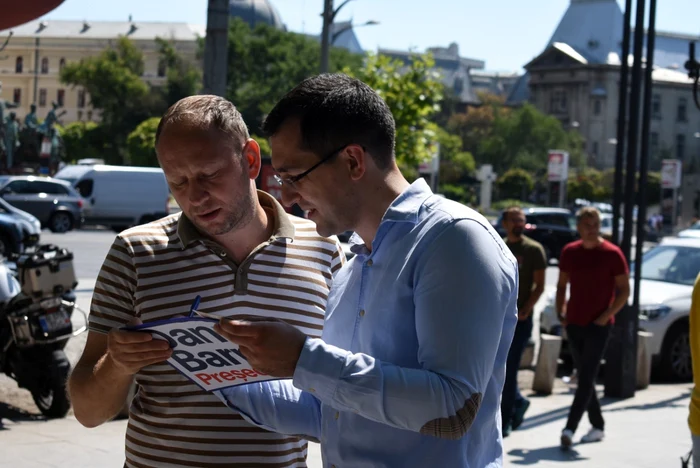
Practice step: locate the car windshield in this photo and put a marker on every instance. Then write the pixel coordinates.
(671, 264)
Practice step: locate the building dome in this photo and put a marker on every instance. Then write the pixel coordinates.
(255, 12)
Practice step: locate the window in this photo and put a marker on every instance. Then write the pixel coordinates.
(61, 64)
(48, 187)
(18, 186)
(44, 66)
(682, 113)
(89, 115)
(17, 96)
(656, 107)
(81, 98)
(161, 68)
(597, 107)
(80, 115)
(653, 143)
(680, 146)
(557, 104)
(19, 65)
(42, 97)
(61, 97)
(85, 187)
(594, 149)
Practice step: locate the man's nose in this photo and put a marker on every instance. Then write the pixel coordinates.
(289, 195)
(197, 194)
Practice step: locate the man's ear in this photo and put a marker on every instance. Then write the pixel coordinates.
(251, 156)
(357, 161)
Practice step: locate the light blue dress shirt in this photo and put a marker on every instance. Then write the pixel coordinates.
(410, 368)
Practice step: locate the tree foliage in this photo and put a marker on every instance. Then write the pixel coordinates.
(413, 92)
(83, 140)
(265, 62)
(141, 143)
(515, 183)
(113, 80)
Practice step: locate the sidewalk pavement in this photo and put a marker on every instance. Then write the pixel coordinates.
(647, 431)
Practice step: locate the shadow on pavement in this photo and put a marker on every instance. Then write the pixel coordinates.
(555, 453)
(15, 414)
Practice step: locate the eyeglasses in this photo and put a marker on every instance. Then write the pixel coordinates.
(292, 180)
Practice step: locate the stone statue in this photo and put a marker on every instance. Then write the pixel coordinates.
(3, 105)
(30, 120)
(11, 138)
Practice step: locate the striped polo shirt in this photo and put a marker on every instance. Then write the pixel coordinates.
(153, 272)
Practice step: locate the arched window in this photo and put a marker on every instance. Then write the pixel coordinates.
(45, 66)
(19, 65)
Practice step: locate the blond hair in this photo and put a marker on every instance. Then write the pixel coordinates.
(587, 212)
(205, 112)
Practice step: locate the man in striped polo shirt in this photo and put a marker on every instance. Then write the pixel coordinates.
(239, 250)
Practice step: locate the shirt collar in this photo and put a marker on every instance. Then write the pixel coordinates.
(405, 208)
(284, 228)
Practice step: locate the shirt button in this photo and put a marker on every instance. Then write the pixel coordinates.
(362, 313)
(222, 253)
(337, 415)
(370, 262)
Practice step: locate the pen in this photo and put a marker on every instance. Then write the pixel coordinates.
(194, 306)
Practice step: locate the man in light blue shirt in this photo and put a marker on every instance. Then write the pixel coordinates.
(410, 367)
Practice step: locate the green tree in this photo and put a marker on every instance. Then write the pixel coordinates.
(82, 140)
(455, 165)
(515, 184)
(477, 122)
(113, 82)
(522, 139)
(141, 143)
(183, 77)
(265, 62)
(413, 92)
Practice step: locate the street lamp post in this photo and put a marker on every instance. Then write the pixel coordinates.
(327, 40)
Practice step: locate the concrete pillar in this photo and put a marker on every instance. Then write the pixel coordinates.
(547, 362)
(643, 359)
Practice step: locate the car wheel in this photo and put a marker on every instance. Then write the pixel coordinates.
(61, 222)
(676, 363)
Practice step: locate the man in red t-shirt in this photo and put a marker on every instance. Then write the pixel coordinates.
(599, 278)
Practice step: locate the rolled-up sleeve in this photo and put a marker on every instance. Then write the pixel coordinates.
(465, 293)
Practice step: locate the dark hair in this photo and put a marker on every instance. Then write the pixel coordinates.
(206, 111)
(512, 209)
(335, 110)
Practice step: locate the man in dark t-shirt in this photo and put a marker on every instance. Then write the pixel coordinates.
(599, 277)
(532, 263)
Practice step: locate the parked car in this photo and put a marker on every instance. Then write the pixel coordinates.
(551, 227)
(119, 196)
(668, 274)
(693, 231)
(54, 202)
(17, 229)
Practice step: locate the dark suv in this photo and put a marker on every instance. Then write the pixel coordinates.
(551, 227)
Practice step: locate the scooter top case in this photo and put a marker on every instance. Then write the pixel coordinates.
(46, 272)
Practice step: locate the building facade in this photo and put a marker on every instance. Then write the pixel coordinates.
(31, 63)
(576, 79)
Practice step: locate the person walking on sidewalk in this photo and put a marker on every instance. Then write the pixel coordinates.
(599, 278)
(532, 263)
(694, 416)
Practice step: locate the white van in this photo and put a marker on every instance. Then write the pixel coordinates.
(119, 196)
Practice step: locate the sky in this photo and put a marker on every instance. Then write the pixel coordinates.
(505, 33)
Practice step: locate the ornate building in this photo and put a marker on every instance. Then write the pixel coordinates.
(576, 79)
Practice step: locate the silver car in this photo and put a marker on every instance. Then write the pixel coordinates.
(54, 202)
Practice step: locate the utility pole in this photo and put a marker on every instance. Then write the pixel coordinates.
(216, 48)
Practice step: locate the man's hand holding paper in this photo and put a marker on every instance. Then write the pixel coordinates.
(271, 346)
